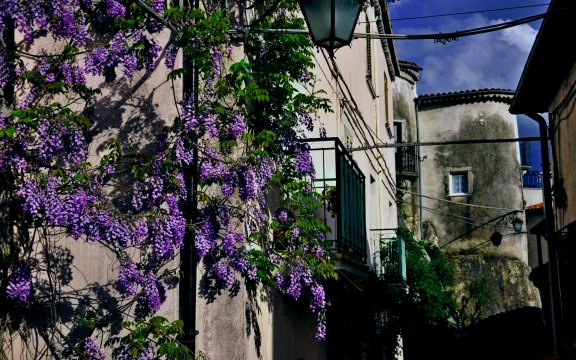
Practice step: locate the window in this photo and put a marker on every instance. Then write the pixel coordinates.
(398, 132)
(369, 66)
(459, 183)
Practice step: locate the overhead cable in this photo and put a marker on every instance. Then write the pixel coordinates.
(467, 12)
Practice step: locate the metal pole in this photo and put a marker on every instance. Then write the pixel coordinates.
(188, 254)
(556, 313)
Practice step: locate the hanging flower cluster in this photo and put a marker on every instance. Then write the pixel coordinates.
(242, 150)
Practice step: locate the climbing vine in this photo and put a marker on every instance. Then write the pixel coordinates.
(426, 308)
(205, 175)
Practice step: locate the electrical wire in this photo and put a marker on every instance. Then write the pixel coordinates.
(356, 111)
(449, 35)
(456, 217)
(353, 114)
(468, 12)
(500, 217)
(458, 203)
(456, 34)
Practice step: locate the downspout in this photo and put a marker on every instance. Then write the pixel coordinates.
(556, 313)
(416, 106)
(189, 261)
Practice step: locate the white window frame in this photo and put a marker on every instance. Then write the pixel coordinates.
(460, 172)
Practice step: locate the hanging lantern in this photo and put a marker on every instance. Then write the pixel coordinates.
(331, 22)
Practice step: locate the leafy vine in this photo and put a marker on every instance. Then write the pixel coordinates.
(208, 174)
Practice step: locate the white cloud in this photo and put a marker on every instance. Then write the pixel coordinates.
(521, 36)
(490, 60)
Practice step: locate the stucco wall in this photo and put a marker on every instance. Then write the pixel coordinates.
(564, 122)
(494, 181)
(361, 118)
(462, 225)
(404, 110)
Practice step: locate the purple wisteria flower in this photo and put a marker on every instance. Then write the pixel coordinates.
(151, 299)
(96, 60)
(246, 183)
(264, 173)
(129, 277)
(91, 350)
(229, 241)
(321, 327)
(206, 237)
(114, 8)
(223, 273)
(228, 183)
(237, 127)
(19, 283)
(170, 56)
(318, 299)
(306, 120)
(303, 162)
(6, 71)
(295, 233)
(282, 215)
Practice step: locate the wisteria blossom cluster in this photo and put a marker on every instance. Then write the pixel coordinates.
(223, 156)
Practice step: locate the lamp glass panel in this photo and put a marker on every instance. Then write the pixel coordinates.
(346, 14)
(517, 223)
(317, 13)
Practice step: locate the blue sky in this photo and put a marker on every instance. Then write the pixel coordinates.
(490, 60)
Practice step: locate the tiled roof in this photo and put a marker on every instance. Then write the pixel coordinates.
(410, 70)
(534, 208)
(464, 97)
(409, 65)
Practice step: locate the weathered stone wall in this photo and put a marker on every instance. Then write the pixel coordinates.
(504, 280)
(494, 181)
(462, 225)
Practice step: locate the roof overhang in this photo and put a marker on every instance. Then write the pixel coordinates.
(550, 61)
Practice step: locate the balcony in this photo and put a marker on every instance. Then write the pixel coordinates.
(532, 180)
(392, 256)
(406, 162)
(344, 211)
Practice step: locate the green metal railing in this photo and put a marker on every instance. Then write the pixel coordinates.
(339, 177)
(392, 255)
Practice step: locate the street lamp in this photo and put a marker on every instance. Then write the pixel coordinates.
(517, 224)
(496, 237)
(331, 22)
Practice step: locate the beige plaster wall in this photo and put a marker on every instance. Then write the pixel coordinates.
(564, 122)
(360, 119)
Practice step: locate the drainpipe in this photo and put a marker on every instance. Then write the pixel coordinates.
(416, 103)
(556, 313)
(188, 257)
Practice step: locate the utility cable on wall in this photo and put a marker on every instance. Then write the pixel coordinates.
(351, 115)
(458, 203)
(356, 114)
(456, 217)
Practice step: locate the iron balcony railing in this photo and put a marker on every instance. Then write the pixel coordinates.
(344, 211)
(392, 257)
(406, 160)
(532, 180)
